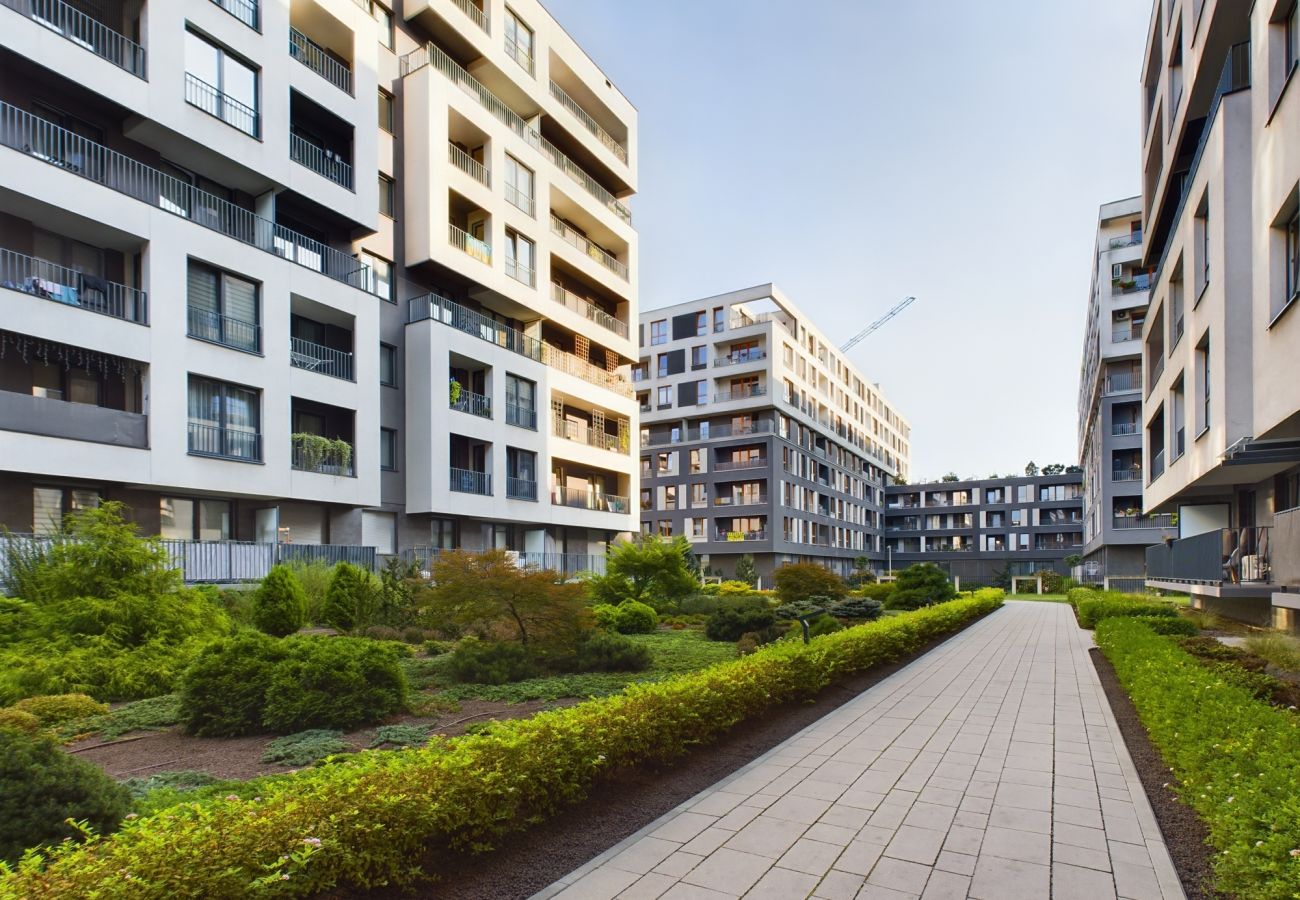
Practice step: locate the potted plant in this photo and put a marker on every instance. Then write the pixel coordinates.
(454, 387)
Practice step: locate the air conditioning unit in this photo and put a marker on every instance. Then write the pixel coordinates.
(1122, 314)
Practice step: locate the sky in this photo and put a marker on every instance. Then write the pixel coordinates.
(855, 153)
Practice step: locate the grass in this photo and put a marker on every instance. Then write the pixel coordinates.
(1279, 649)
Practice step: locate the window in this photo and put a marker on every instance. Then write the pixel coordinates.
(670, 496)
(1291, 253)
(665, 528)
(697, 461)
(1177, 433)
(1202, 238)
(1175, 313)
(222, 308)
(386, 111)
(220, 84)
(697, 527)
(387, 196)
(662, 366)
(659, 332)
(519, 185)
(699, 357)
(1291, 40)
(701, 392)
(388, 365)
(388, 449)
(51, 504)
(665, 398)
(699, 494)
(379, 530)
(1203, 385)
(188, 519)
(521, 474)
(385, 20)
(379, 280)
(701, 323)
(519, 257)
(519, 41)
(442, 534)
(1286, 489)
(719, 318)
(224, 420)
(521, 402)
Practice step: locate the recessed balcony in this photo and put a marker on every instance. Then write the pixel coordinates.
(466, 243)
(586, 246)
(39, 278)
(468, 164)
(614, 146)
(326, 163)
(315, 57)
(587, 309)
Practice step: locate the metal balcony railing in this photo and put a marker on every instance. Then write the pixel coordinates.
(588, 498)
(314, 56)
(1129, 474)
(221, 105)
(516, 51)
(520, 272)
(477, 15)
(1126, 240)
(330, 462)
(245, 11)
(723, 535)
(588, 248)
(465, 242)
(1160, 520)
(448, 312)
(736, 465)
(744, 356)
(227, 443)
(521, 416)
(475, 404)
(35, 276)
(318, 358)
(1157, 465)
(1121, 383)
(583, 433)
(564, 361)
(588, 309)
(469, 165)
(467, 481)
(740, 500)
(591, 185)
(588, 122)
(521, 489)
(1223, 556)
(1118, 428)
(325, 163)
(740, 393)
(433, 55)
(21, 131)
(84, 31)
(225, 330)
(520, 200)
(1138, 282)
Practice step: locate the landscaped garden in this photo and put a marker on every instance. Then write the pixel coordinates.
(330, 726)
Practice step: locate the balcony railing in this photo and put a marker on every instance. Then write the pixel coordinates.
(519, 200)
(1156, 371)
(331, 461)
(478, 16)
(433, 55)
(521, 489)
(744, 356)
(587, 247)
(313, 56)
(318, 358)
(741, 500)
(84, 31)
(588, 122)
(1118, 428)
(1129, 474)
(1160, 520)
(221, 105)
(475, 404)
(31, 275)
(225, 330)
(1126, 240)
(467, 481)
(469, 165)
(448, 312)
(521, 416)
(727, 429)
(588, 309)
(245, 11)
(516, 51)
(1139, 282)
(587, 498)
(581, 368)
(1224, 556)
(565, 563)
(733, 466)
(21, 131)
(591, 185)
(740, 393)
(1121, 383)
(325, 163)
(592, 437)
(724, 535)
(520, 272)
(226, 443)
(465, 242)
(1157, 465)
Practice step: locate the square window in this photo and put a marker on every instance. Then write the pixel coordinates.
(659, 332)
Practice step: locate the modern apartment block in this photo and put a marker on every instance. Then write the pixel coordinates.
(1221, 342)
(758, 437)
(1116, 533)
(977, 529)
(327, 272)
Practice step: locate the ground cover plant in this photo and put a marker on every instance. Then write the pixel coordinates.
(1236, 760)
(362, 819)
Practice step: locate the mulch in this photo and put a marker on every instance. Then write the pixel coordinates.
(1185, 833)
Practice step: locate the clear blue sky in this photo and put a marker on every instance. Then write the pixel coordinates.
(857, 152)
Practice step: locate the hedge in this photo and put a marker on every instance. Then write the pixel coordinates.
(367, 820)
(1090, 612)
(1236, 759)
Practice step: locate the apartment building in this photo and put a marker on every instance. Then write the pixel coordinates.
(1221, 342)
(759, 437)
(1116, 532)
(976, 530)
(344, 368)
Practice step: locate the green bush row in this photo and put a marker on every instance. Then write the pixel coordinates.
(1092, 611)
(1236, 759)
(365, 819)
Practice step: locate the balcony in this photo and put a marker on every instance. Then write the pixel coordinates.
(49, 417)
(744, 356)
(466, 243)
(520, 272)
(325, 163)
(222, 106)
(1126, 240)
(245, 11)
(313, 453)
(84, 31)
(588, 310)
(1224, 556)
(475, 404)
(440, 309)
(740, 464)
(227, 331)
(316, 58)
(38, 278)
(317, 358)
(237, 444)
(580, 241)
(469, 165)
(1156, 371)
(433, 55)
(476, 15)
(521, 201)
(730, 536)
(25, 133)
(587, 498)
(1160, 520)
(1139, 282)
(519, 54)
(588, 122)
(467, 481)
(1157, 465)
(583, 433)
(589, 184)
(1132, 473)
(1121, 383)
(743, 393)
(564, 361)
(742, 500)
(521, 489)
(521, 416)
(728, 429)
(1121, 428)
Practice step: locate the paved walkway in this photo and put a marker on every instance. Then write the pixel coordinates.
(990, 768)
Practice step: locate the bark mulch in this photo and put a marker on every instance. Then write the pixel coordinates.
(1185, 834)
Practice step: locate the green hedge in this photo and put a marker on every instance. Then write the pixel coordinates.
(1236, 759)
(365, 820)
(1091, 612)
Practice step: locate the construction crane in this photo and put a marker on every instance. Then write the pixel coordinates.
(857, 338)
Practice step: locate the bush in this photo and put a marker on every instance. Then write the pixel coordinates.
(1090, 612)
(59, 708)
(17, 720)
(305, 747)
(381, 633)
(920, 584)
(223, 691)
(152, 714)
(733, 588)
(729, 623)
(647, 569)
(314, 576)
(824, 625)
(437, 648)
(1077, 595)
(1235, 760)
(748, 643)
(1175, 625)
(43, 786)
(601, 651)
(606, 616)
(801, 582)
(413, 634)
(859, 609)
(400, 736)
(635, 618)
(879, 592)
(176, 782)
(350, 598)
(466, 791)
(1281, 650)
(490, 662)
(333, 683)
(279, 603)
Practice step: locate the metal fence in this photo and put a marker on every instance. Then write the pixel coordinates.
(568, 564)
(40, 278)
(84, 31)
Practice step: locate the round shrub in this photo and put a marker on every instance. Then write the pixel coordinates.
(224, 689)
(824, 625)
(413, 634)
(876, 591)
(636, 618)
(921, 584)
(748, 643)
(490, 662)
(279, 603)
(351, 596)
(729, 623)
(606, 616)
(55, 709)
(333, 683)
(438, 648)
(18, 720)
(43, 786)
(600, 651)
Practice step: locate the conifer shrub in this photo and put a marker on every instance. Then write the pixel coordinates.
(279, 603)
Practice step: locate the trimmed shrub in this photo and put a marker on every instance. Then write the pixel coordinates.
(490, 662)
(824, 625)
(315, 577)
(729, 623)
(333, 683)
(55, 709)
(1077, 595)
(606, 616)
(305, 747)
(879, 592)
(1092, 611)
(601, 651)
(43, 786)
(351, 596)
(17, 720)
(858, 609)
(224, 689)
(279, 603)
(920, 584)
(1175, 625)
(636, 618)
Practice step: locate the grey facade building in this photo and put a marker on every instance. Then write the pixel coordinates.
(758, 437)
(976, 529)
(1116, 530)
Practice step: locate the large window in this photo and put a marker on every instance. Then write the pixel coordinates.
(521, 402)
(659, 332)
(1203, 384)
(665, 398)
(220, 84)
(520, 258)
(51, 504)
(189, 519)
(662, 366)
(223, 308)
(520, 185)
(519, 41)
(719, 318)
(385, 19)
(521, 474)
(224, 420)
(701, 323)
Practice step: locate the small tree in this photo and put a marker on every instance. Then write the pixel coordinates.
(920, 585)
(350, 598)
(1031, 469)
(279, 603)
(949, 477)
(745, 570)
(649, 570)
(800, 582)
(1054, 469)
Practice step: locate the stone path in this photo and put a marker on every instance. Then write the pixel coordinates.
(990, 768)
